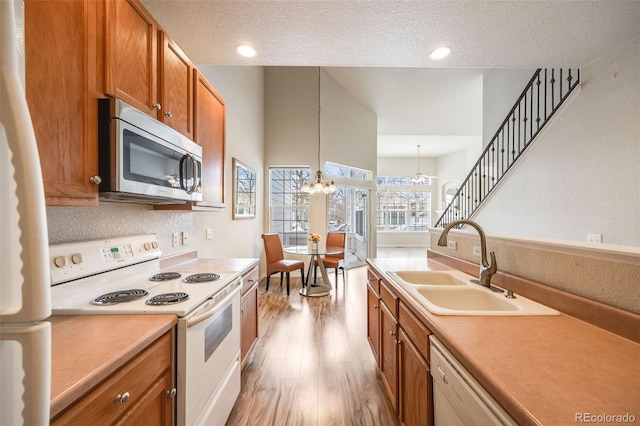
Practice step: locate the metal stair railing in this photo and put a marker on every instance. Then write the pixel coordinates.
(540, 100)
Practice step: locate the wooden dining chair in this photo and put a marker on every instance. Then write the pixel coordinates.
(335, 261)
(276, 261)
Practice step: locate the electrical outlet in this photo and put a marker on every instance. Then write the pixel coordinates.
(476, 251)
(209, 233)
(175, 239)
(184, 238)
(452, 245)
(594, 238)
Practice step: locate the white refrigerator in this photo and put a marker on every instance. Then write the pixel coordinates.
(25, 293)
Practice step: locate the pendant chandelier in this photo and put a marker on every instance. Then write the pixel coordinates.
(318, 184)
(419, 178)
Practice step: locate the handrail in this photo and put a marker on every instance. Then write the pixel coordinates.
(512, 138)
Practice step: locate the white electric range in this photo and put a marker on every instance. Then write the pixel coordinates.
(123, 276)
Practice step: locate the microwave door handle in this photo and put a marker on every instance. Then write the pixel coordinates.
(183, 174)
(181, 169)
(194, 186)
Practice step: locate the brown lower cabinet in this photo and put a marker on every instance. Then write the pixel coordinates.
(140, 392)
(400, 343)
(249, 312)
(415, 388)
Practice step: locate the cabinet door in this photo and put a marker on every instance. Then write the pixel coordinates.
(176, 87)
(131, 55)
(60, 73)
(209, 131)
(156, 408)
(388, 353)
(249, 310)
(373, 322)
(415, 385)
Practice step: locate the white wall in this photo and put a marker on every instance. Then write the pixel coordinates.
(348, 130)
(407, 166)
(500, 90)
(581, 176)
(242, 89)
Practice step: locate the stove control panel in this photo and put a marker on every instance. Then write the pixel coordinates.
(70, 261)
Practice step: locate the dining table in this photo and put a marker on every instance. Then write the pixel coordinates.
(315, 253)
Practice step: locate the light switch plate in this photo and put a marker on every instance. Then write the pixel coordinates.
(476, 251)
(175, 239)
(452, 245)
(209, 233)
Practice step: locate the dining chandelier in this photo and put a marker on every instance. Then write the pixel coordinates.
(319, 184)
(419, 178)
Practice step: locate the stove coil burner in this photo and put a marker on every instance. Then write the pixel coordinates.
(165, 276)
(121, 296)
(168, 299)
(201, 278)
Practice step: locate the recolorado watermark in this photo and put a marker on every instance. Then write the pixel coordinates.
(605, 418)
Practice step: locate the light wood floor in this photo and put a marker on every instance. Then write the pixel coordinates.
(313, 364)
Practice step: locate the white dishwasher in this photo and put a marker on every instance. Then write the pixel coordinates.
(458, 398)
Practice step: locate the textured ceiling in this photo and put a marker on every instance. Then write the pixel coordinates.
(396, 34)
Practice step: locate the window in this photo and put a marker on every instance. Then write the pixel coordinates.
(335, 169)
(289, 208)
(401, 181)
(402, 211)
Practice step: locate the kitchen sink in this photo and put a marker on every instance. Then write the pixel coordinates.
(430, 277)
(472, 299)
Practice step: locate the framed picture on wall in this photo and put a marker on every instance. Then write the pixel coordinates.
(244, 191)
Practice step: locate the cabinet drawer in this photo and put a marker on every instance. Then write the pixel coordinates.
(374, 282)
(389, 298)
(100, 406)
(249, 278)
(415, 329)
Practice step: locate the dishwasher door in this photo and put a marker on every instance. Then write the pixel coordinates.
(458, 398)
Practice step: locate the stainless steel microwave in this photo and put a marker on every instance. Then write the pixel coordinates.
(143, 160)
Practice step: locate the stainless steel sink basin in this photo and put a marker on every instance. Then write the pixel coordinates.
(475, 300)
(430, 277)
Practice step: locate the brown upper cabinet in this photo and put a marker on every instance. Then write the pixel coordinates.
(176, 87)
(145, 68)
(116, 48)
(61, 79)
(209, 132)
(131, 55)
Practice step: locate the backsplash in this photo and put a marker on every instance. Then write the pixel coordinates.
(603, 277)
(119, 219)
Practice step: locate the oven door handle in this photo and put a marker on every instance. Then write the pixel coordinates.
(214, 309)
(197, 320)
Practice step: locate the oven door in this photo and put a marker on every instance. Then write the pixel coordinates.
(209, 360)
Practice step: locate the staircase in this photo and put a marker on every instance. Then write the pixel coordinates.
(545, 93)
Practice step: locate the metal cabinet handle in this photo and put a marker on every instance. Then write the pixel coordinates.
(172, 392)
(121, 399)
(95, 179)
(375, 306)
(158, 107)
(168, 114)
(392, 333)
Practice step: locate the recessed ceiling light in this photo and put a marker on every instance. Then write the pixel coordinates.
(246, 50)
(439, 53)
